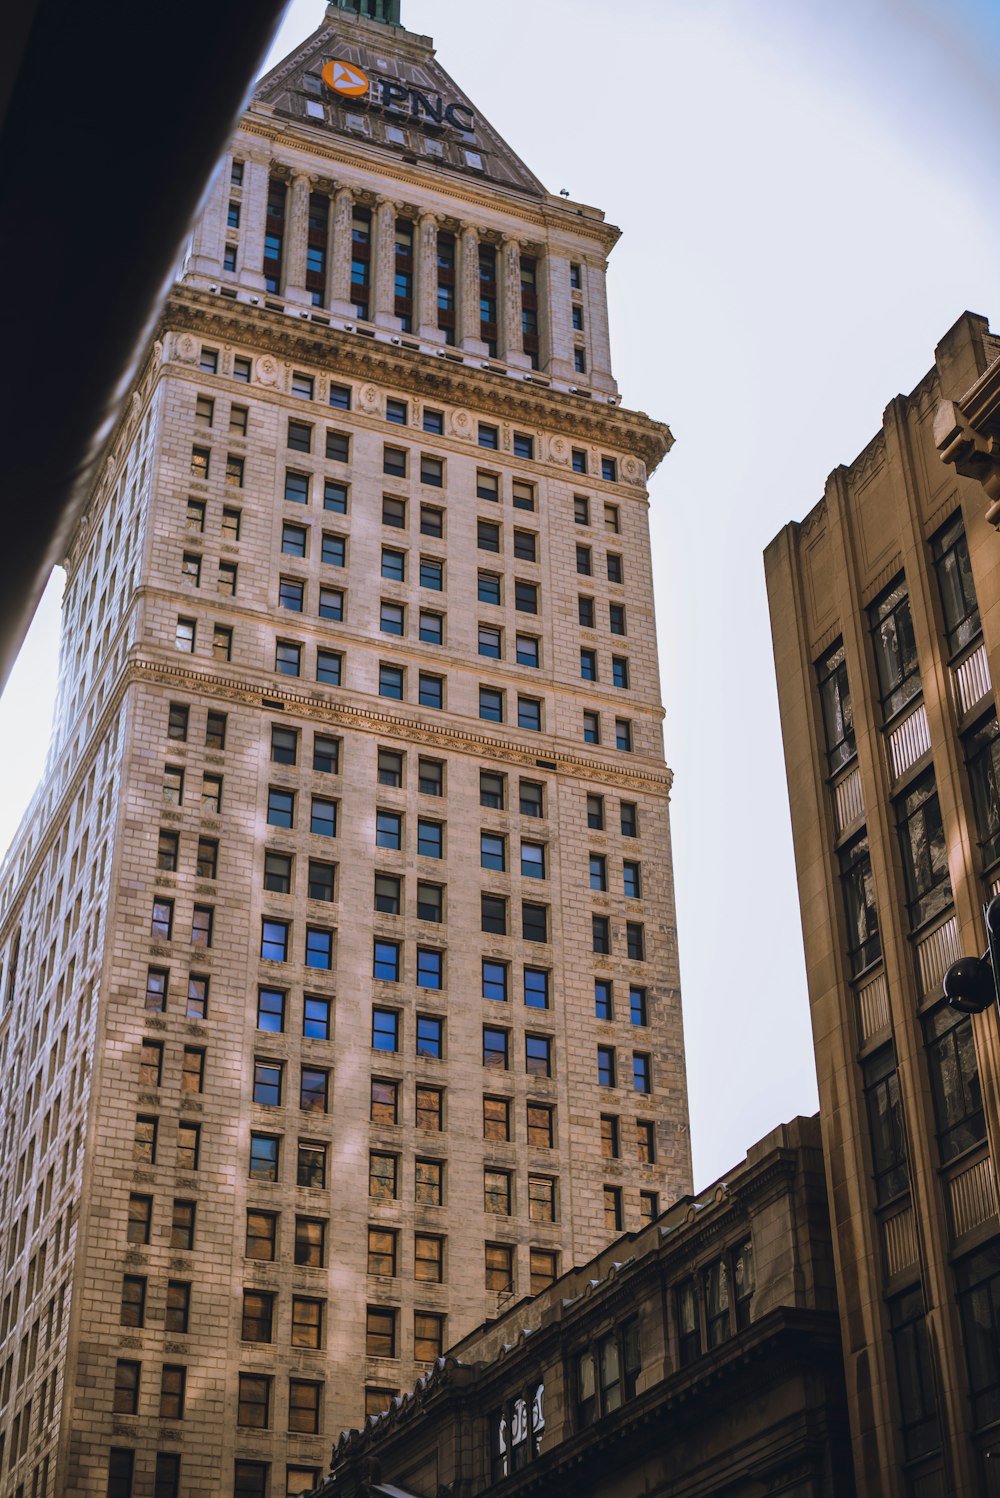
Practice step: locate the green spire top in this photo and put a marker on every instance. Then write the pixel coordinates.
(386, 11)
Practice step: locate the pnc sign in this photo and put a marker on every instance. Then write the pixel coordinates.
(350, 81)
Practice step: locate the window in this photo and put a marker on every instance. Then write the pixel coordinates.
(534, 922)
(307, 1322)
(387, 894)
(287, 658)
(895, 648)
(541, 1198)
(321, 880)
(156, 989)
(496, 1047)
(191, 568)
(497, 1192)
(487, 535)
(184, 636)
(533, 860)
(390, 681)
(585, 612)
(430, 902)
(635, 941)
(619, 672)
(982, 758)
(144, 1141)
(177, 721)
(958, 594)
(334, 550)
(274, 941)
(955, 1082)
(384, 1108)
(235, 467)
(300, 436)
(162, 920)
(182, 1224)
(835, 701)
(529, 713)
(215, 731)
(642, 1073)
(430, 777)
(431, 521)
(383, 1252)
(530, 799)
(609, 470)
(433, 422)
(258, 1316)
(430, 689)
(978, 1282)
(616, 616)
(632, 879)
(607, 1373)
(386, 961)
(121, 1465)
(254, 1406)
(493, 914)
(340, 397)
(864, 944)
(591, 727)
(262, 1236)
(172, 1382)
(538, 1055)
(335, 496)
(250, 1479)
(140, 1217)
(526, 546)
(296, 488)
(499, 1267)
(293, 540)
(638, 1012)
(278, 873)
(314, 1093)
(544, 1269)
(645, 1131)
(271, 1010)
(540, 1126)
(202, 922)
(167, 1475)
(197, 997)
(239, 417)
(329, 667)
(385, 1030)
(432, 574)
(310, 1242)
(133, 1302)
(489, 587)
(600, 934)
(394, 462)
(188, 1146)
(496, 1118)
(192, 1070)
(380, 1332)
(885, 1124)
(150, 1063)
(584, 561)
(914, 1374)
(390, 767)
(304, 1401)
(394, 512)
(428, 1336)
(326, 755)
(623, 735)
(598, 871)
(493, 851)
(588, 664)
(491, 704)
(610, 1142)
(430, 1036)
(428, 1185)
(536, 988)
(280, 807)
(231, 520)
(578, 460)
(925, 859)
(491, 790)
(430, 968)
(431, 471)
(604, 998)
(522, 495)
(267, 1083)
(605, 1066)
(430, 839)
(126, 1395)
(316, 1013)
(200, 464)
(495, 980)
(429, 1104)
(166, 851)
(525, 596)
(613, 1216)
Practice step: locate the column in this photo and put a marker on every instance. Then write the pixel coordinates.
(595, 312)
(468, 294)
(253, 222)
(427, 278)
(339, 299)
(511, 334)
(297, 238)
(384, 248)
(205, 257)
(557, 334)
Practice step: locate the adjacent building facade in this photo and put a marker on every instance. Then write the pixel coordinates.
(339, 986)
(699, 1355)
(885, 610)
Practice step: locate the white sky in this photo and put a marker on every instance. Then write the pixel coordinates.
(809, 199)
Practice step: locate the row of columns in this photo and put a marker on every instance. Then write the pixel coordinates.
(552, 276)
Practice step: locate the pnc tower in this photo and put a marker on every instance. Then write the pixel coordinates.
(339, 994)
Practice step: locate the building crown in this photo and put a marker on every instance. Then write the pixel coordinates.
(386, 11)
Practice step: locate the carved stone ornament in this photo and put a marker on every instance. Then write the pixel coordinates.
(633, 470)
(187, 348)
(368, 399)
(559, 450)
(266, 371)
(461, 423)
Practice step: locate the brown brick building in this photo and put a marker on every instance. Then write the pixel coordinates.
(699, 1355)
(885, 609)
(339, 992)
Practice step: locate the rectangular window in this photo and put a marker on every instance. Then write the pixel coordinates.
(982, 758)
(645, 1131)
(864, 944)
(635, 941)
(254, 1405)
(534, 922)
(386, 961)
(385, 1030)
(536, 988)
(496, 1048)
(638, 1012)
(835, 702)
(430, 777)
(430, 690)
(642, 1072)
(538, 1055)
(335, 496)
(431, 521)
(632, 880)
(491, 790)
(334, 550)
(540, 1126)
(495, 980)
(326, 755)
(383, 1249)
(380, 1332)
(600, 934)
(914, 1374)
(489, 588)
(895, 648)
(529, 714)
(978, 1282)
(525, 596)
(329, 667)
(430, 839)
(310, 1242)
(182, 1224)
(429, 1108)
(541, 1199)
(430, 968)
(496, 1118)
(925, 856)
(497, 1192)
(384, 1108)
(428, 1336)
(522, 494)
(262, 1236)
(958, 594)
(623, 735)
(604, 998)
(591, 727)
(610, 1142)
(296, 488)
(955, 1082)
(394, 462)
(278, 873)
(605, 1066)
(393, 565)
(271, 1010)
(613, 1217)
(293, 540)
(307, 1323)
(231, 522)
(316, 1013)
(493, 914)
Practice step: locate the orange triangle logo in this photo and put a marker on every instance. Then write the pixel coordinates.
(345, 78)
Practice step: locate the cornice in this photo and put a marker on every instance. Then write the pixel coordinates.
(208, 315)
(349, 715)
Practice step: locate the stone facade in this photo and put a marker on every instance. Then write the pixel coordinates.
(886, 622)
(340, 996)
(701, 1354)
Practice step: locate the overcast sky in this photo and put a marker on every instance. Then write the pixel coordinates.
(809, 199)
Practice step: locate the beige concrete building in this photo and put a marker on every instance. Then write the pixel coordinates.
(339, 991)
(699, 1355)
(885, 608)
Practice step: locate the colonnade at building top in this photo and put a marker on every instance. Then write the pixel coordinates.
(273, 230)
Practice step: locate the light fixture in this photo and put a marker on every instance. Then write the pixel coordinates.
(255, 301)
